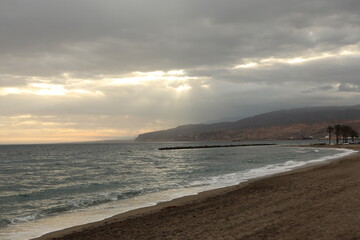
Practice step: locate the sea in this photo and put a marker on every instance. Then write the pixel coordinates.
(49, 187)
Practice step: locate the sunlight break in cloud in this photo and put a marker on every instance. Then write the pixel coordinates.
(348, 51)
(137, 78)
(183, 88)
(44, 89)
(174, 80)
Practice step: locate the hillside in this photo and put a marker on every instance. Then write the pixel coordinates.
(284, 124)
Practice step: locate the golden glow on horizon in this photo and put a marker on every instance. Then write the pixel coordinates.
(59, 135)
(24, 129)
(48, 135)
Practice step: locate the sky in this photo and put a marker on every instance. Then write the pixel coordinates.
(86, 70)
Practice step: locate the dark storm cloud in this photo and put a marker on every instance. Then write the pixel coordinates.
(49, 37)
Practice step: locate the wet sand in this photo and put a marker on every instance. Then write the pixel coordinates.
(316, 202)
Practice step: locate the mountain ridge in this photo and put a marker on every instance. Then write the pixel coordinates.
(304, 117)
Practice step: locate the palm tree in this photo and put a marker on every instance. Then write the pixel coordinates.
(354, 134)
(338, 131)
(330, 129)
(346, 131)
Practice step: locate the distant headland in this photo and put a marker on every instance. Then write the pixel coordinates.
(291, 124)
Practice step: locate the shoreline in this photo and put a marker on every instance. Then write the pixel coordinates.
(184, 202)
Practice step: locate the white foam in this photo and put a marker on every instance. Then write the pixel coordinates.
(32, 229)
(236, 178)
(24, 219)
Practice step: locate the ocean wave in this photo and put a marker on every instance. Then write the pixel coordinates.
(242, 176)
(82, 203)
(27, 218)
(44, 194)
(68, 206)
(4, 222)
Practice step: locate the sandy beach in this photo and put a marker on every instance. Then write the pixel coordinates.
(316, 202)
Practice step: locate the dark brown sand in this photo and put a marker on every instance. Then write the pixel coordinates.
(318, 202)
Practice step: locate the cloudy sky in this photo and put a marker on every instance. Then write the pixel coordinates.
(79, 70)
